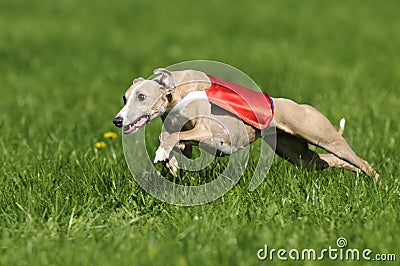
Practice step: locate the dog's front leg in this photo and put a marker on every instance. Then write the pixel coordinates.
(168, 142)
(164, 154)
(164, 150)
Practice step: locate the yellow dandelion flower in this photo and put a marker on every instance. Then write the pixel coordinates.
(100, 144)
(110, 135)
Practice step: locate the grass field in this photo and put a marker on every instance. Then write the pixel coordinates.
(64, 66)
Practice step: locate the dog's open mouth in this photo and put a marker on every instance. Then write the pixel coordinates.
(133, 127)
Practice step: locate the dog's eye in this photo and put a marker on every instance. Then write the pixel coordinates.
(141, 97)
(124, 98)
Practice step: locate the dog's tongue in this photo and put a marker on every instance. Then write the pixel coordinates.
(141, 122)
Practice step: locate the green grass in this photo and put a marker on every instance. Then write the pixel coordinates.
(64, 66)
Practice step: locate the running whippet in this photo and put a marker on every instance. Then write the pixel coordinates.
(191, 113)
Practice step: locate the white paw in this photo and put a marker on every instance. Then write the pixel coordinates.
(173, 165)
(161, 155)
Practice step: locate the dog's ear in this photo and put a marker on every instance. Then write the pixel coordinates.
(138, 79)
(166, 79)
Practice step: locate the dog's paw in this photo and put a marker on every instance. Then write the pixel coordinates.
(172, 165)
(161, 155)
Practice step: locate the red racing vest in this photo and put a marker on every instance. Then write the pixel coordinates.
(254, 108)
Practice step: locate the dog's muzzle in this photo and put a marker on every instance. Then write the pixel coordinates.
(118, 121)
(132, 127)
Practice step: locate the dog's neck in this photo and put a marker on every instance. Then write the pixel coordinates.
(184, 87)
(175, 97)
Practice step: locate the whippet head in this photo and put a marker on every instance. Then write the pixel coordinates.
(145, 100)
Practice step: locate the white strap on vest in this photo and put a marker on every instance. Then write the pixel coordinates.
(192, 96)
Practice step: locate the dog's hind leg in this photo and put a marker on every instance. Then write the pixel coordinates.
(309, 124)
(334, 161)
(296, 151)
(185, 148)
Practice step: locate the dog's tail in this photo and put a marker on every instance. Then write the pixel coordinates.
(342, 123)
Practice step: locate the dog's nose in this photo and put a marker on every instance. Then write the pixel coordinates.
(117, 121)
